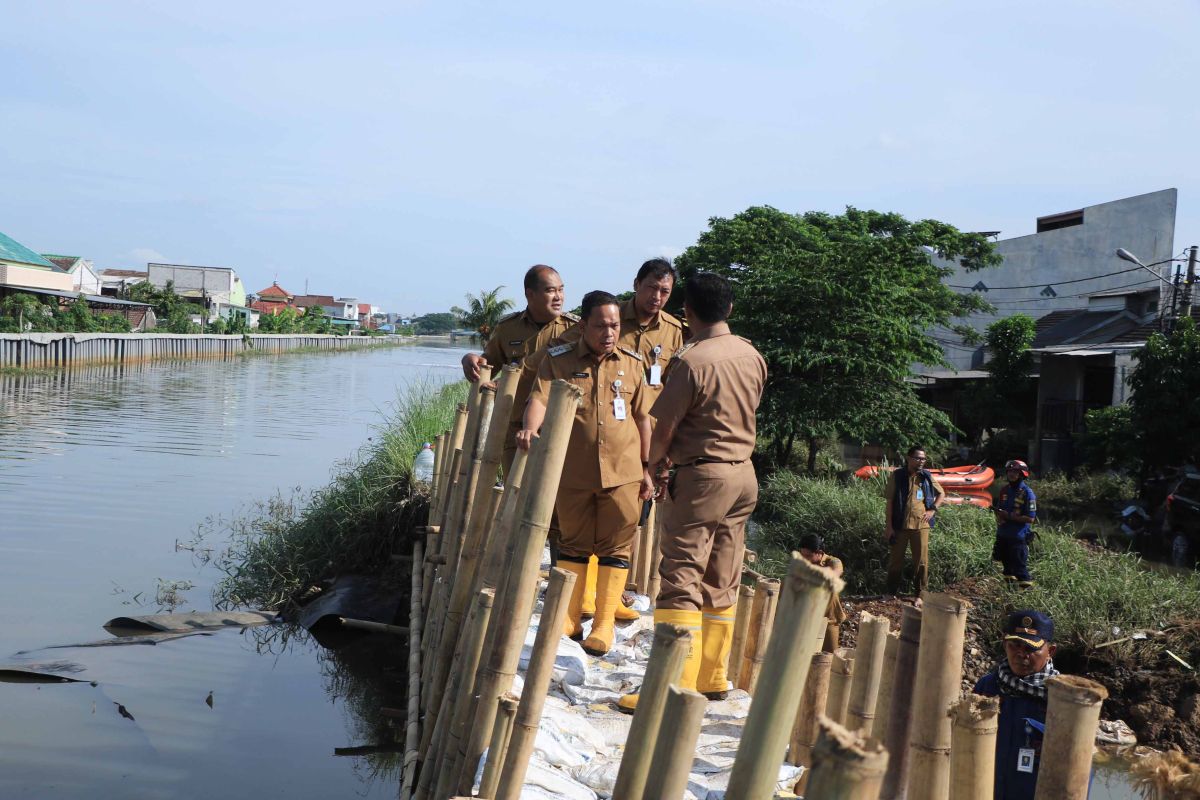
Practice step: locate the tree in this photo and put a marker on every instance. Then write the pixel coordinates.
(434, 323)
(1007, 399)
(24, 313)
(483, 312)
(315, 321)
(840, 306)
(1165, 407)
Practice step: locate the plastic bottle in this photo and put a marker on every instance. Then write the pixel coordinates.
(423, 466)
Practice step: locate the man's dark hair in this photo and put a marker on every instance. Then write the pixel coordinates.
(534, 274)
(916, 448)
(655, 269)
(812, 541)
(595, 300)
(709, 296)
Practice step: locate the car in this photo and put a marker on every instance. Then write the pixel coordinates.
(1183, 518)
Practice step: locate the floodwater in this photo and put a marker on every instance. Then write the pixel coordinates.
(102, 472)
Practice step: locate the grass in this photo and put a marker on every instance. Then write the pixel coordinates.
(1090, 592)
(290, 542)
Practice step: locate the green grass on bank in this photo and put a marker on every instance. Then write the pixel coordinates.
(287, 543)
(1089, 591)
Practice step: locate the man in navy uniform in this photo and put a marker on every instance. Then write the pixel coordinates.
(1016, 511)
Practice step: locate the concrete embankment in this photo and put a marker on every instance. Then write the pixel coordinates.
(50, 350)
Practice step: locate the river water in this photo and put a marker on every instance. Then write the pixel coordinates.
(102, 472)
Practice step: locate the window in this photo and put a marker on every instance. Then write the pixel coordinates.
(1056, 221)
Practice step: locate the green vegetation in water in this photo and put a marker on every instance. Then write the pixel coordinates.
(1090, 592)
(288, 543)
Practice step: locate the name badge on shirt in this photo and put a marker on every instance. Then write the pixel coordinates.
(920, 494)
(619, 408)
(655, 375)
(1025, 758)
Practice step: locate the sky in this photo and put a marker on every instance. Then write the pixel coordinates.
(407, 153)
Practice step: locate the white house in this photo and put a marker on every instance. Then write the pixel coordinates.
(84, 277)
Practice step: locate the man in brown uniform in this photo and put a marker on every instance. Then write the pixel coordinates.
(604, 477)
(507, 344)
(913, 497)
(705, 427)
(812, 549)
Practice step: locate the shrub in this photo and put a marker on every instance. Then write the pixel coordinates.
(1061, 498)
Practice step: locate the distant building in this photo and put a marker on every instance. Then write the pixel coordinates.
(20, 266)
(82, 271)
(273, 299)
(343, 310)
(115, 282)
(211, 287)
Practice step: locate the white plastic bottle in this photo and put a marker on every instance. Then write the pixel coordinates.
(423, 465)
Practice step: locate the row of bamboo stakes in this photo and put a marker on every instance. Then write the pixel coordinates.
(883, 720)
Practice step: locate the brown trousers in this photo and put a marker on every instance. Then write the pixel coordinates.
(918, 541)
(598, 522)
(704, 535)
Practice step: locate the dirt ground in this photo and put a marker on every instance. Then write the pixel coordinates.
(1160, 701)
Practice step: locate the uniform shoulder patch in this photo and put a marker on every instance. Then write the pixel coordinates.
(631, 353)
(508, 317)
(671, 320)
(567, 315)
(679, 353)
(559, 349)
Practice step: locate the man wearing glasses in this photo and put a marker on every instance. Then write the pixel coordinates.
(913, 497)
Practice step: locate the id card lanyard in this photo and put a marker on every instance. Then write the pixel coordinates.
(655, 368)
(619, 412)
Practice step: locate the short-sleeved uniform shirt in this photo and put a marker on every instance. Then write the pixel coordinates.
(914, 509)
(605, 450)
(835, 612)
(1016, 500)
(712, 390)
(508, 341)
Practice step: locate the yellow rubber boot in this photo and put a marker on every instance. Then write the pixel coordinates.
(571, 626)
(625, 613)
(610, 585)
(694, 622)
(589, 592)
(717, 639)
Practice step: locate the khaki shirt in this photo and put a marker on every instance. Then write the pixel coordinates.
(508, 341)
(914, 519)
(834, 612)
(604, 451)
(713, 387)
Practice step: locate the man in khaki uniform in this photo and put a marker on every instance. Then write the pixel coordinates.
(507, 344)
(913, 498)
(604, 476)
(812, 549)
(705, 427)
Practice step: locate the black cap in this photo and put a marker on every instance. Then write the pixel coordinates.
(812, 541)
(1034, 628)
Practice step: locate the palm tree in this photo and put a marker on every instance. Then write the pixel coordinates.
(483, 312)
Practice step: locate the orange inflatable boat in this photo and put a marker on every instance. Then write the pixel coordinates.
(980, 498)
(952, 479)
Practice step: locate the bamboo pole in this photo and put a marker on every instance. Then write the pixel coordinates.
(973, 747)
(497, 549)
(667, 654)
(439, 457)
(841, 674)
(741, 628)
(868, 669)
(440, 754)
(461, 473)
(675, 746)
(758, 639)
(412, 732)
(476, 443)
(883, 705)
(804, 597)
(498, 747)
(1072, 714)
(654, 540)
(899, 721)
(520, 585)
(453, 459)
(493, 505)
(537, 684)
(939, 663)
(812, 708)
(846, 766)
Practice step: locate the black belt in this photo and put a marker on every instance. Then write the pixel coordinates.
(700, 461)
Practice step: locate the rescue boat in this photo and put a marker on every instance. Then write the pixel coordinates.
(980, 498)
(969, 476)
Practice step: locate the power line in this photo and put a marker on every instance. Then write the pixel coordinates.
(1069, 296)
(1051, 283)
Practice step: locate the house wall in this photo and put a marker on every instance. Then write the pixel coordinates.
(84, 279)
(34, 277)
(222, 285)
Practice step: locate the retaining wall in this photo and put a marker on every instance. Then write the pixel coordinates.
(49, 350)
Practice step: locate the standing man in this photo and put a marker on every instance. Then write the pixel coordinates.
(812, 550)
(1016, 511)
(605, 475)
(913, 498)
(1019, 680)
(705, 428)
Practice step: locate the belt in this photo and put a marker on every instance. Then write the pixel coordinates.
(700, 461)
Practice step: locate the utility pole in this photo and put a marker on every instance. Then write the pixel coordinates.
(1187, 285)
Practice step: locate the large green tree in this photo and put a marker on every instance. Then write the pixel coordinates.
(840, 306)
(483, 311)
(1165, 406)
(434, 323)
(1007, 399)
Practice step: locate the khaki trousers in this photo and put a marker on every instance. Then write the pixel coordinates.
(918, 541)
(704, 535)
(598, 521)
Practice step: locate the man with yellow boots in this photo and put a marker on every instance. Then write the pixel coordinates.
(605, 476)
(705, 429)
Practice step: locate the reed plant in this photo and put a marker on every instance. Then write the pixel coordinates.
(287, 543)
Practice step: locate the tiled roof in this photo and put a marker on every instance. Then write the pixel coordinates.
(364, 308)
(1142, 332)
(306, 300)
(12, 250)
(275, 290)
(268, 307)
(123, 273)
(1083, 327)
(65, 263)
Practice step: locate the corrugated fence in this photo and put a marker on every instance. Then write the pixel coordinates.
(49, 350)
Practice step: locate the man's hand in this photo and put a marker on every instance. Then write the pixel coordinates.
(472, 365)
(648, 489)
(1002, 515)
(929, 514)
(888, 534)
(525, 438)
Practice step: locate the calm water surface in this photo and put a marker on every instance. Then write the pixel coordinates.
(102, 471)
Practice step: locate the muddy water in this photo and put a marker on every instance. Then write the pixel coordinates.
(102, 471)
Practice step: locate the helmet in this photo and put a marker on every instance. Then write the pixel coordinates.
(1018, 465)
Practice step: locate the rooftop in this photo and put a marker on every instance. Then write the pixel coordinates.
(12, 250)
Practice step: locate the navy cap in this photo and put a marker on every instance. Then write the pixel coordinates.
(1034, 628)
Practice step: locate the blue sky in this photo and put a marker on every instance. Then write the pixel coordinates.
(407, 153)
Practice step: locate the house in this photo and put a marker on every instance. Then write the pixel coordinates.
(366, 319)
(211, 287)
(342, 310)
(116, 282)
(82, 271)
(272, 299)
(20, 266)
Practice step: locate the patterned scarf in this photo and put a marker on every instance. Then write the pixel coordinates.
(1033, 685)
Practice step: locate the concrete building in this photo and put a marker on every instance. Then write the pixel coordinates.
(115, 282)
(20, 266)
(82, 271)
(211, 287)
